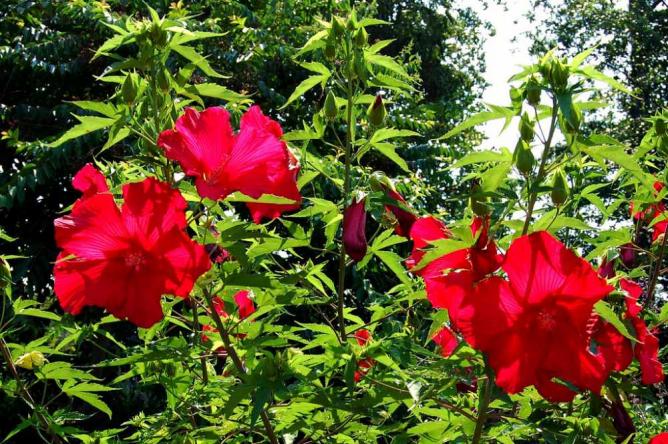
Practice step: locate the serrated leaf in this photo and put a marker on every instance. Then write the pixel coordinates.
(306, 85)
(218, 92)
(608, 314)
(197, 59)
(477, 119)
(394, 263)
(87, 125)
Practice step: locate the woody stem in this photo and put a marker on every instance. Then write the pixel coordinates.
(533, 195)
(25, 394)
(657, 270)
(483, 404)
(346, 193)
(225, 337)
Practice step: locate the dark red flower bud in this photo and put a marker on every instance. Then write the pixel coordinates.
(627, 253)
(621, 420)
(354, 230)
(606, 269)
(218, 255)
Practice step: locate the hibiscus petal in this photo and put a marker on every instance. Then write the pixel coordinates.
(633, 293)
(539, 266)
(553, 391)
(151, 209)
(90, 181)
(614, 350)
(647, 353)
(447, 341)
(245, 304)
(93, 230)
(201, 143)
(183, 261)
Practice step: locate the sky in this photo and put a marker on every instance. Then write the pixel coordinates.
(503, 59)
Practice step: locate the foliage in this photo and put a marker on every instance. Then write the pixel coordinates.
(337, 341)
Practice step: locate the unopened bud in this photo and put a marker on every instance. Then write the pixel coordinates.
(526, 128)
(559, 188)
(524, 160)
(337, 26)
(352, 21)
(380, 182)
(129, 89)
(533, 92)
(479, 202)
(330, 49)
(158, 35)
(162, 80)
(330, 106)
(361, 37)
(376, 112)
(354, 230)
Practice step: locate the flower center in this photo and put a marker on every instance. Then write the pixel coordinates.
(546, 319)
(135, 260)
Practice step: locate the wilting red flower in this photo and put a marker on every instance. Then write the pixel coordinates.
(362, 336)
(661, 438)
(446, 340)
(363, 367)
(534, 327)
(451, 278)
(621, 420)
(216, 254)
(124, 259)
(652, 212)
(255, 161)
(405, 219)
(245, 308)
(354, 230)
(646, 350)
(607, 269)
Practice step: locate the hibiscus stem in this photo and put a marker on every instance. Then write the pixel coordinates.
(533, 195)
(483, 405)
(25, 394)
(657, 271)
(197, 341)
(346, 193)
(225, 337)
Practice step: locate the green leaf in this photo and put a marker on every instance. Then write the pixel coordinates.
(37, 313)
(608, 314)
(387, 150)
(218, 92)
(116, 135)
(390, 133)
(315, 42)
(581, 57)
(304, 86)
(482, 157)
(88, 125)
(385, 62)
(477, 119)
(197, 59)
(106, 109)
(394, 263)
(592, 73)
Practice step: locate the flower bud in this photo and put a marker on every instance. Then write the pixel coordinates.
(533, 92)
(352, 21)
(559, 188)
(524, 160)
(479, 202)
(660, 127)
(330, 106)
(607, 269)
(621, 420)
(360, 68)
(162, 79)
(337, 27)
(376, 112)
(158, 35)
(5, 273)
(526, 128)
(361, 37)
(129, 89)
(627, 254)
(354, 230)
(379, 181)
(572, 125)
(330, 49)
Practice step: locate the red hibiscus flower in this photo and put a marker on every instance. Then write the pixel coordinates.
(613, 349)
(446, 340)
(125, 259)
(534, 326)
(354, 230)
(661, 438)
(255, 161)
(362, 336)
(405, 219)
(451, 278)
(245, 308)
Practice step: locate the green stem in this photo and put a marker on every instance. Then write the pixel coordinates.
(25, 394)
(657, 270)
(483, 405)
(346, 193)
(231, 351)
(541, 169)
(197, 341)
